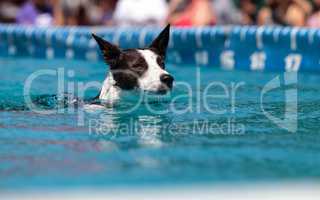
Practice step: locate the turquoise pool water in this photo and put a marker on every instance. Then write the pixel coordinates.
(95, 147)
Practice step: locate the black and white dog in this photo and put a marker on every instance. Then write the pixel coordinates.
(133, 69)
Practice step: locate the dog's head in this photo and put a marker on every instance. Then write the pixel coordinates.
(139, 68)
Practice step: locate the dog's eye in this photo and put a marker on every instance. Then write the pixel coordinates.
(140, 66)
(160, 62)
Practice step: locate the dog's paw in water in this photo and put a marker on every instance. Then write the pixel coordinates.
(94, 108)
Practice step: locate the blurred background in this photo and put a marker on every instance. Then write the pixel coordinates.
(159, 12)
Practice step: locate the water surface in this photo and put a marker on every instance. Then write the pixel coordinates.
(106, 147)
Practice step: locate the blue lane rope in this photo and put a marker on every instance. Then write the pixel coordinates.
(236, 47)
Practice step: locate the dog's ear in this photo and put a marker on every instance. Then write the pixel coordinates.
(110, 52)
(160, 44)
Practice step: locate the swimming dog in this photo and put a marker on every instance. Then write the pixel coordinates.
(132, 69)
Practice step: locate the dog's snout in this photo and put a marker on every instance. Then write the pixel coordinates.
(167, 79)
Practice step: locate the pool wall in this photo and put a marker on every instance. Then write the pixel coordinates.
(236, 47)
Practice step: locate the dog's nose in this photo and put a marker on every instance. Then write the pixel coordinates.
(167, 79)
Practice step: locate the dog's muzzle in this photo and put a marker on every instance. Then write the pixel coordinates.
(167, 80)
(166, 84)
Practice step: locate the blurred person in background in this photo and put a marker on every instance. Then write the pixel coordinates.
(71, 12)
(248, 10)
(191, 13)
(9, 10)
(314, 19)
(98, 12)
(285, 12)
(140, 12)
(107, 8)
(226, 12)
(36, 12)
